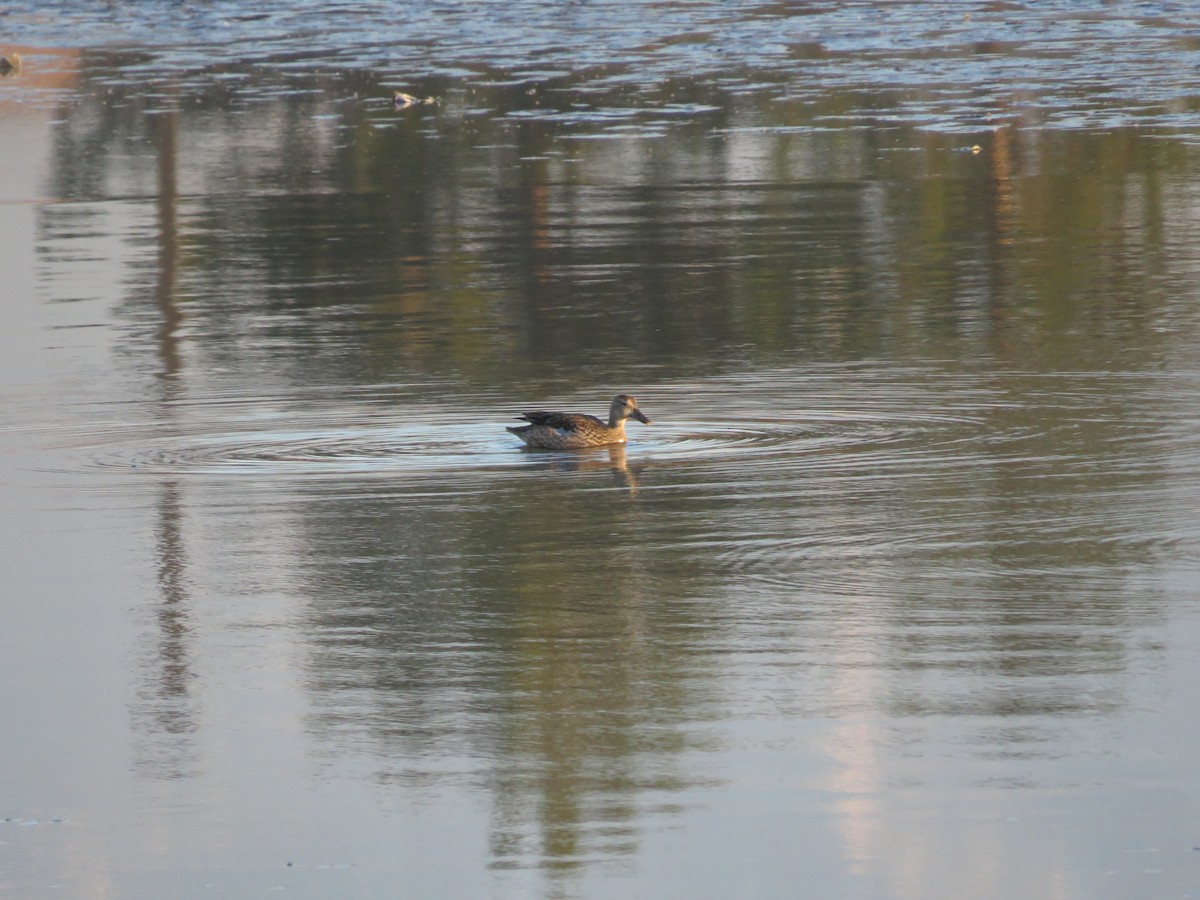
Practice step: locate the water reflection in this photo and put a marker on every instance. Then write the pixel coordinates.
(165, 711)
(473, 246)
(534, 642)
(166, 128)
(166, 707)
(613, 459)
(623, 253)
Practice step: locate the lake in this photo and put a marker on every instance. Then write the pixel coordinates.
(898, 596)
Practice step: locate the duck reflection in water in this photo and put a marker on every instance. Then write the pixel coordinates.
(596, 459)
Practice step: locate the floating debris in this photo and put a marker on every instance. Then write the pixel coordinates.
(401, 100)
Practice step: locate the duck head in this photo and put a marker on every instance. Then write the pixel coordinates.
(625, 407)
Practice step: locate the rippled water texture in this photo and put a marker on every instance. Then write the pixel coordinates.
(953, 65)
(897, 597)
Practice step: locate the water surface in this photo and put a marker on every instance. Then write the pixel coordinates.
(897, 597)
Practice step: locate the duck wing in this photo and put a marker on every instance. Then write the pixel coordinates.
(561, 421)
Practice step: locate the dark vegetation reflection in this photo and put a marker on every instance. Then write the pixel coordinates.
(324, 230)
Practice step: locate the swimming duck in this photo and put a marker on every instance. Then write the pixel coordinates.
(573, 431)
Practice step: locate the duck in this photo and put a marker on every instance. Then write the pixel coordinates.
(574, 431)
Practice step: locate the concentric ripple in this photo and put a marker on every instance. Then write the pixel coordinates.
(911, 458)
(334, 452)
(785, 428)
(903, 476)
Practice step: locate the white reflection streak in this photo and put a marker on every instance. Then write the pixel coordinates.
(856, 788)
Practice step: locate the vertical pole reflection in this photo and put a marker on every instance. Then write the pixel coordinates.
(1003, 212)
(534, 231)
(165, 703)
(166, 132)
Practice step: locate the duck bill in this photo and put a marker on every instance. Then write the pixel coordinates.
(641, 417)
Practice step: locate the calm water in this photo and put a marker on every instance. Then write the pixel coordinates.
(898, 597)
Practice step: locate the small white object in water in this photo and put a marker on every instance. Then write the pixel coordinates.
(401, 100)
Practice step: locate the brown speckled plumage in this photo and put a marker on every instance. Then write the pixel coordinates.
(572, 431)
